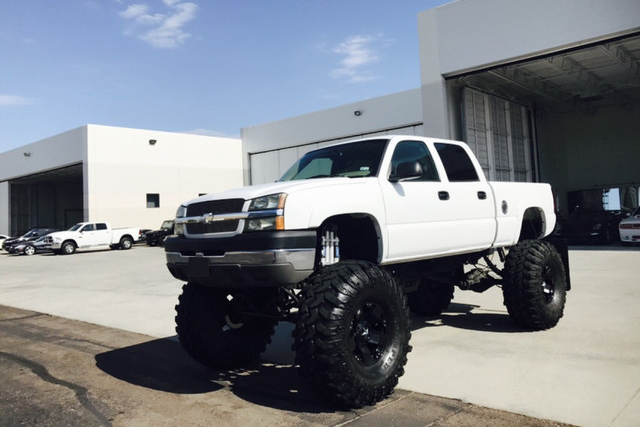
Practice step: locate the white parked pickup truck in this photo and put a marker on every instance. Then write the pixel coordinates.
(350, 239)
(85, 235)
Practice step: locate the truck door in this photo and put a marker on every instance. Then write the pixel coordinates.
(428, 215)
(469, 198)
(95, 235)
(415, 216)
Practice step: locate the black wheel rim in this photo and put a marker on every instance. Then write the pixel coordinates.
(369, 334)
(548, 286)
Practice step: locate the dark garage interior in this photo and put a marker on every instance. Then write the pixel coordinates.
(48, 199)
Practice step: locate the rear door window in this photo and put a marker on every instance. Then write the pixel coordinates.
(457, 163)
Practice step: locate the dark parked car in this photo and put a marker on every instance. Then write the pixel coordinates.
(591, 227)
(157, 237)
(30, 247)
(30, 235)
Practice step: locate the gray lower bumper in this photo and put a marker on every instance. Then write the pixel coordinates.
(246, 268)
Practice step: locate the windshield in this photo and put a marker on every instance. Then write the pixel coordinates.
(76, 227)
(355, 160)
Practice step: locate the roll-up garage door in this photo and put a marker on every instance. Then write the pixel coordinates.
(499, 134)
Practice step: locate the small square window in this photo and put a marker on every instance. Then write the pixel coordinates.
(153, 200)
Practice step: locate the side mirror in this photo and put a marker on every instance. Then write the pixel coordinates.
(407, 171)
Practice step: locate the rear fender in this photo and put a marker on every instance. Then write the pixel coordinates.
(562, 246)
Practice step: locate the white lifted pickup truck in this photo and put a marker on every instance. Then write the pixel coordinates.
(86, 235)
(352, 237)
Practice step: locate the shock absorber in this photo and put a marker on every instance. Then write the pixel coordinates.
(330, 246)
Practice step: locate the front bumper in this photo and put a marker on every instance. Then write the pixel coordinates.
(247, 260)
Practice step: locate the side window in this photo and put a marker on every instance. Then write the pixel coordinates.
(415, 151)
(88, 227)
(101, 226)
(456, 163)
(153, 200)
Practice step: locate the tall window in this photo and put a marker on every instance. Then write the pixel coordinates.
(498, 133)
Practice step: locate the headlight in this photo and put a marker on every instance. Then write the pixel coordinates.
(272, 201)
(266, 213)
(179, 227)
(261, 224)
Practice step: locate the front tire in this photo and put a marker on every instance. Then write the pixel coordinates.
(213, 329)
(353, 331)
(68, 248)
(29, 250)
(535, 285)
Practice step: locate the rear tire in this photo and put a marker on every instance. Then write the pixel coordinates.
(213, 330)
(126, 243)
(535, 285)
(353, 331)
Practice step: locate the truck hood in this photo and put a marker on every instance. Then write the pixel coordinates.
(289, 187)
(62, 233)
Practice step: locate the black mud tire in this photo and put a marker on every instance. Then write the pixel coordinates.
(68, 248)
(211, 333)
(535, 285)
(431, 298)
(125, 243)
(352, 335)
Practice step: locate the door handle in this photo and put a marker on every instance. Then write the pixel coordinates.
(482, 195)
(443, 195)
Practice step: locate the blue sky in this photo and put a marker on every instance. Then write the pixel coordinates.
(199, 66)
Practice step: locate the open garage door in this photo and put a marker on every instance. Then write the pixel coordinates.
(48, 199)
(570, 118)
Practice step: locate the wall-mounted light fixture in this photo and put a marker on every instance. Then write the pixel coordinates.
(152, 142)
(27, 154)
(357, 113)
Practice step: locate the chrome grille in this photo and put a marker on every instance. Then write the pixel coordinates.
(214, 207)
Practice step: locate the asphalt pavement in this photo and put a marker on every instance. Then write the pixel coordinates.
(96, 341)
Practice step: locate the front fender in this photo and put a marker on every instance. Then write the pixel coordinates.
(309, 208)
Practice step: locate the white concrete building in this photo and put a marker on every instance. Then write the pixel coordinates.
(545, 90)
(128, 177)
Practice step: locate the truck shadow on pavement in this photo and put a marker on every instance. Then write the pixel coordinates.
(162, 365)
(462, 316)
